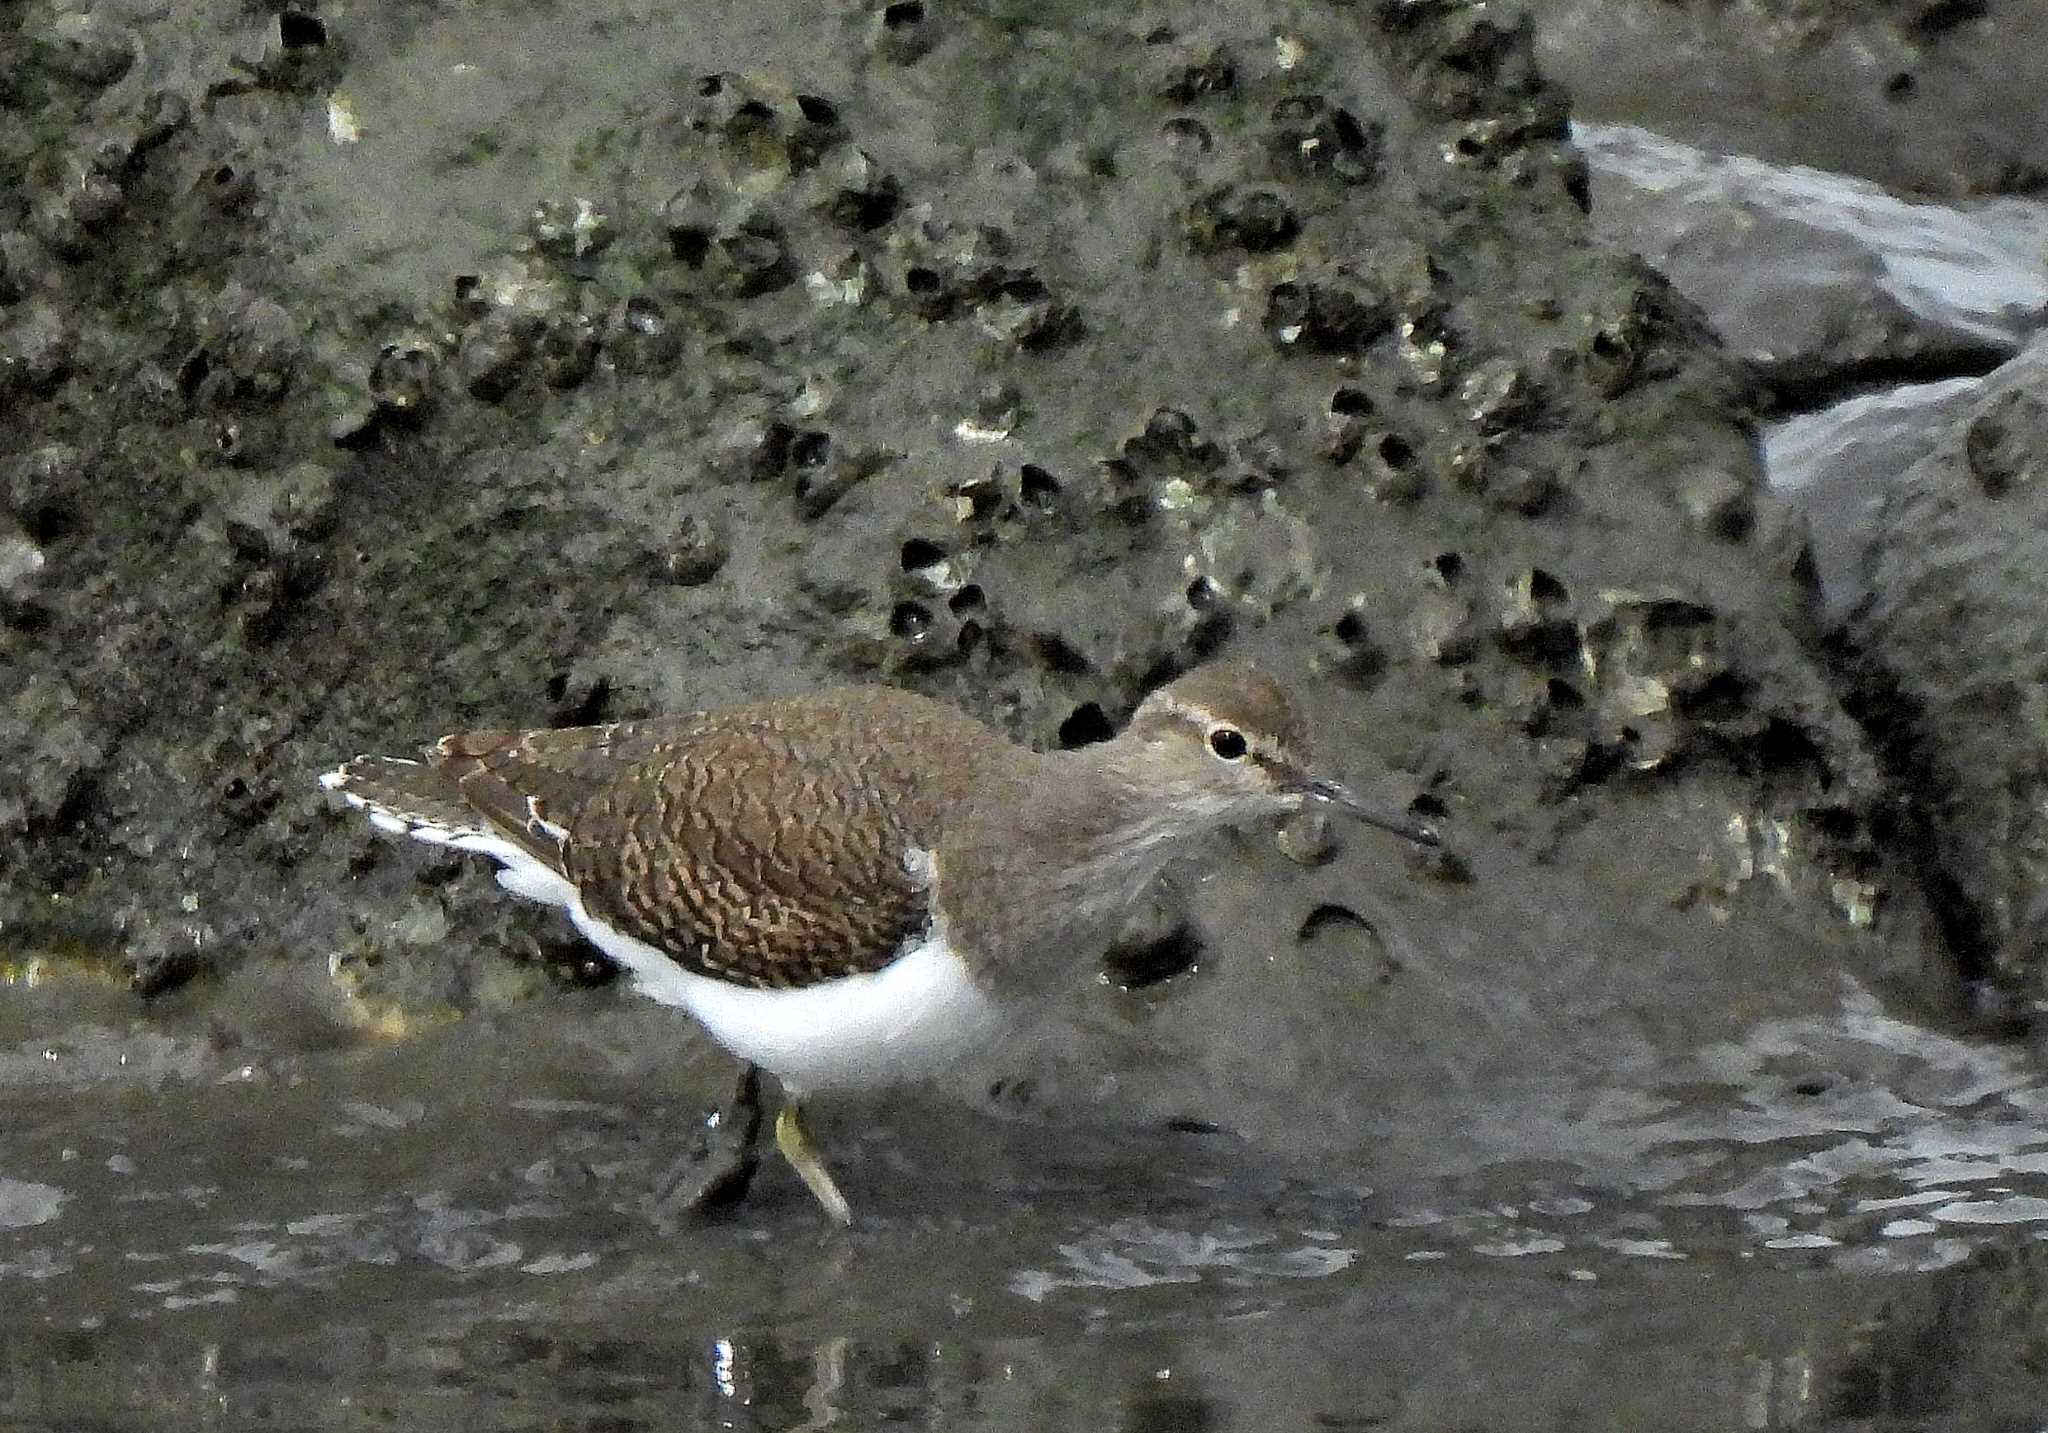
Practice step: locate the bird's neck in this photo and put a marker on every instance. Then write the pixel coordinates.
(1054, 854)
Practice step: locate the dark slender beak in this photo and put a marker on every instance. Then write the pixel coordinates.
(1337, 794)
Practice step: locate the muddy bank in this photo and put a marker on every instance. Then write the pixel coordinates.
(1179, 339)
(371, 375)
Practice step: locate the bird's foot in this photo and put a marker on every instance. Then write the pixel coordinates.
(719, 1162)
(801, 1151)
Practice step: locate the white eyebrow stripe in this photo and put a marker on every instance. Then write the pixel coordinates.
(1202, 720)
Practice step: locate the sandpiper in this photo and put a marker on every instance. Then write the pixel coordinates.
(857, 888)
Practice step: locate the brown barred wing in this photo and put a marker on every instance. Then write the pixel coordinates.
(768, 849)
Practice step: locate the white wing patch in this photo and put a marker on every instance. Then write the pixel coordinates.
(922, 866)
(540, 825)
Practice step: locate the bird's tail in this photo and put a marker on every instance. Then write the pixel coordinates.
(407, 798)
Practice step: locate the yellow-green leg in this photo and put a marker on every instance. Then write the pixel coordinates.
(797, 1147)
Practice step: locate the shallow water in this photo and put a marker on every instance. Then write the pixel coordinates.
(1791, 1229)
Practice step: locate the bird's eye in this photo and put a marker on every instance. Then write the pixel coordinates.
(1227, 742)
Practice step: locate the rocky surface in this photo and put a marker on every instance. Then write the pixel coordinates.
(1278, 335)
(1938, 97)
(1837, 464)
(1840, 296)
(1821, 284)
(1951, 639)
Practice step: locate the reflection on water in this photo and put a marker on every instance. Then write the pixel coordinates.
(1750, 1347)
(1791, 1229)
(1137, 1254)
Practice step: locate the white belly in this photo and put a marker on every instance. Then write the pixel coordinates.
(913, 1018)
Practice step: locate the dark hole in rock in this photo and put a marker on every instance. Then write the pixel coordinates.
(588, 710)
(226, 176)
(26, 616)
(921, 280)
(1732, 521)
(356, 427)
(1940, 15)
(558, 686)
(1039, 487)
(970, 637)
(1350, 629)
(1813, 1085)
(1396, 451)
(1428, 804)
(1296, 109)
(1350, 403)
(1545, 588)
(817, 110)
(1552, 641)
(1900, 86)
(1349, 131)
(810, 449)
(1084, 726)
(644, 315)
(1838, 822)
(1210, 633)
(690, 243)
(578, 967)
(1188, 1124)
(1329, 914)
(753, 250)
(1024, 288)
(867, 209)
(755, 111)
(911, 621)
(192, 372)
(1674, 614)
(1019, 1091)
(969, 598)
(771, 454)
(1170, 428)
(921, 552)
(903, 14)
(1138, 964)
(1202, 594)
(160, 972)
(1606, 345)
(1563, 695)
(1599, 761)
(1059, 654)
(1719, 698)
(300, 31)
(1449, 566)
(1785, 746)
(468, 289)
